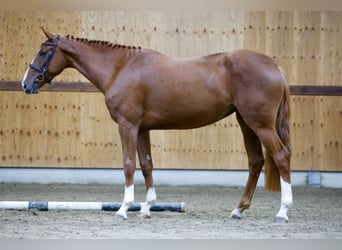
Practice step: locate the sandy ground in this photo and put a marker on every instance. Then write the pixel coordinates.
(316, 214)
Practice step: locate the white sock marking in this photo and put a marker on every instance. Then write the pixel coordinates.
(129, 194)
(151, 198)
(286, 198)
(151, 195)
(286, 192)
(127, 202)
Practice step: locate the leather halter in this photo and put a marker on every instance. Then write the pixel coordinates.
(42, 70)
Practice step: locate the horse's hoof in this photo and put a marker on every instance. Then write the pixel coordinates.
(235, 217)
(120, 217)
(236, 214)
(278, 219)
(144, 216)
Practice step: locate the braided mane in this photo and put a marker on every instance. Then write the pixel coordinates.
(100, 43)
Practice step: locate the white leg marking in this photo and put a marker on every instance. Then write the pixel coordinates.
(236, 213)
(286, 199)
(151, 198)
(127, 202)
(129, 194)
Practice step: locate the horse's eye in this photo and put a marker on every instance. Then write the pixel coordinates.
(42, 53)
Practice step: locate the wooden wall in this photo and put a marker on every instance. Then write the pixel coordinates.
(59, 129)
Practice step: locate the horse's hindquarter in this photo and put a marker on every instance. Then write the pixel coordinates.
(185, 93)
(257, 83)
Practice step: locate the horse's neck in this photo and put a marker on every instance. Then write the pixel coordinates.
(94, 62)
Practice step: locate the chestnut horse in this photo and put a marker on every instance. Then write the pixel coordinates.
(146, 90)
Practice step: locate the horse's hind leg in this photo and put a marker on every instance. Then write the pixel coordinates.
(255, 163)
(145, 158)
(281, 157)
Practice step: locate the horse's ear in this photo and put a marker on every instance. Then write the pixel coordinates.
(47, 34)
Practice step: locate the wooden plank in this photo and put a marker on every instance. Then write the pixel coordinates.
(75, 130)
(316, 90)
(328, 133)
(65, 129)
(316, 137)
(313, 90)
(55, 86)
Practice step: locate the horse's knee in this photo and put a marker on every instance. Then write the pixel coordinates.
(129, 169)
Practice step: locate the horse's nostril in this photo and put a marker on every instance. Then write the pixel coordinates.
(24, 86)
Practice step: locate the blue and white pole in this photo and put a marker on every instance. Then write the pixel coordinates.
(84, 206)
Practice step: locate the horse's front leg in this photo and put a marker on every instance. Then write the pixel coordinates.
(128, 136)
(145, 158)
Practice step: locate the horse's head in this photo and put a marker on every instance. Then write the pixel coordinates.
(48, 63)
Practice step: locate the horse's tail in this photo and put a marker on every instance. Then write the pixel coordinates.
(272, 177)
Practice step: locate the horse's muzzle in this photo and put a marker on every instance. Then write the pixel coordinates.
(32, 90)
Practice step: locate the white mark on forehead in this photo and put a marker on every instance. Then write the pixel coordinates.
(28, 68)
(25, 76)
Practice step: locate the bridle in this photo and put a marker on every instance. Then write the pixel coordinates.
(42, 70)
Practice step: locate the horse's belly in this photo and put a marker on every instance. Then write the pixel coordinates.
(184, 118)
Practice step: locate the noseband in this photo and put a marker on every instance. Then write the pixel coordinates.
(42, 70)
